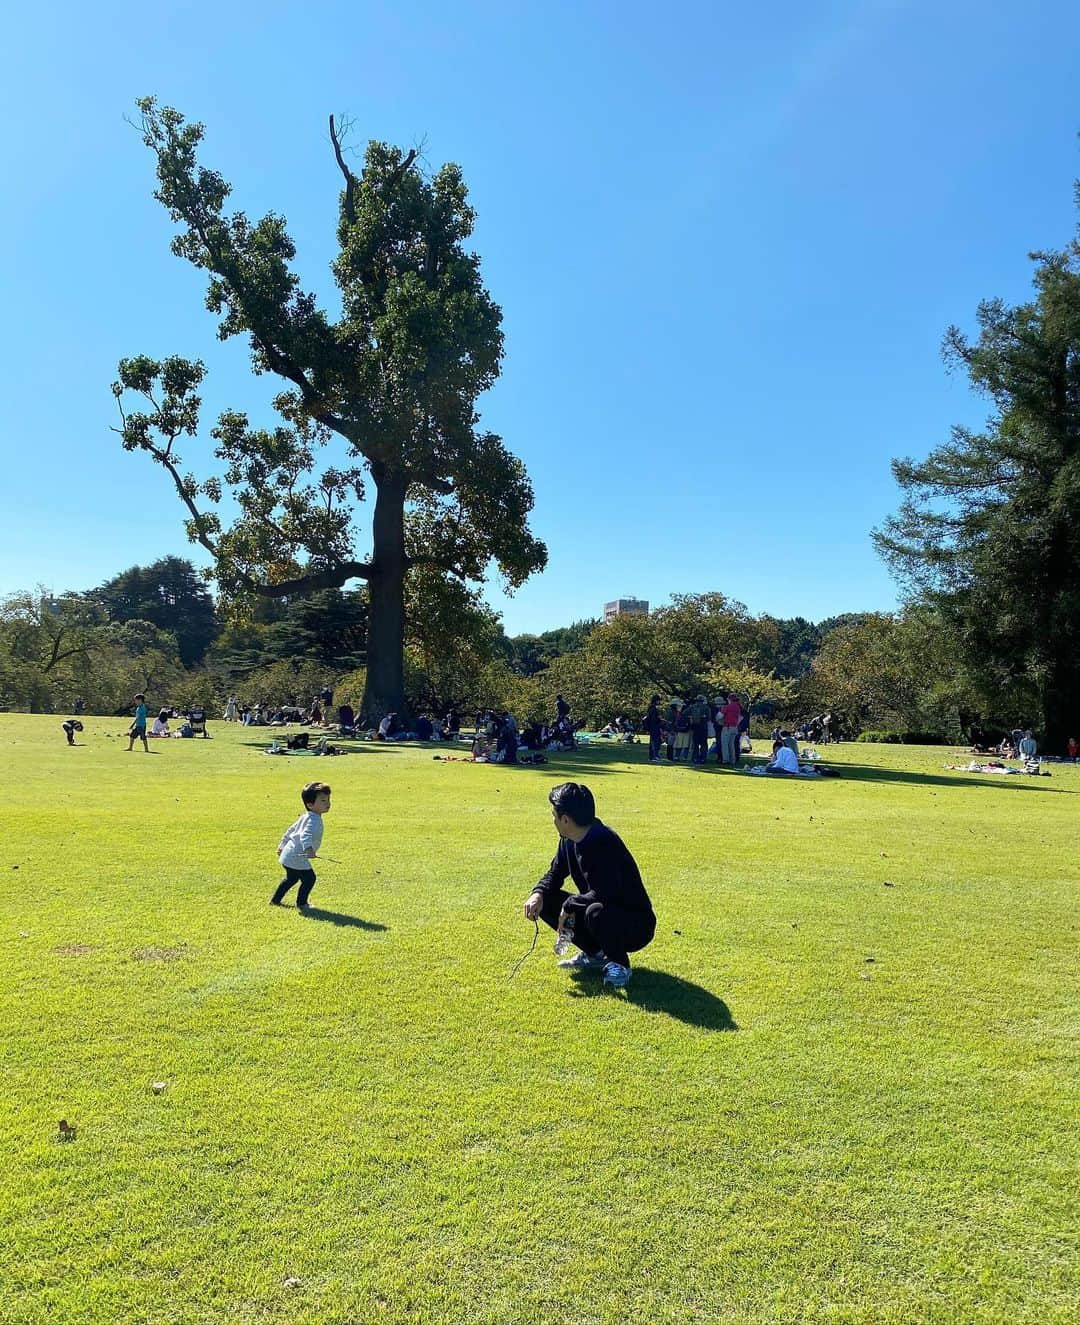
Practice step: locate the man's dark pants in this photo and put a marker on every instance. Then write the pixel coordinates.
(306, 880)
(699, 744)
(654, 744)
(600, 927)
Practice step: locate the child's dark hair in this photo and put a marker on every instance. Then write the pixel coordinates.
(312, 790)
(574, 799)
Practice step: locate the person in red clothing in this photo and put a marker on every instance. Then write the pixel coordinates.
(730, 717)
(1072, 750)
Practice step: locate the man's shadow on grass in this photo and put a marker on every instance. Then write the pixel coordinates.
(658, 991)
(338, 918)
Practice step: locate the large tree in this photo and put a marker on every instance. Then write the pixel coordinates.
(989, 528)
(172, 595)
(394, 379)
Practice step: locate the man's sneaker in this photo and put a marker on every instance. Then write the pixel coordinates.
(584, 961)
(617, 976)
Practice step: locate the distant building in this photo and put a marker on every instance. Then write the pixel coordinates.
(625, 607)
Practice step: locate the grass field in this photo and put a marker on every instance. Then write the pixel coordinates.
(841, 1087)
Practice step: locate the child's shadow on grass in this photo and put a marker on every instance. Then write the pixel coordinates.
(657, 991)
(337, 918)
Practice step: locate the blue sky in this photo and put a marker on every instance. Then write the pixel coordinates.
(726, 239)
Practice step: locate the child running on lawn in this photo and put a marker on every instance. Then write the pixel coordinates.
(300, 845)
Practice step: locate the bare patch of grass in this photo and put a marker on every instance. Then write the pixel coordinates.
(155, 953)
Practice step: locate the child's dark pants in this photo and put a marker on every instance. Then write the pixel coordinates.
(600, 927)
(306, 880)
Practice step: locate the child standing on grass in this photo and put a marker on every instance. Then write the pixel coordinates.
(137, 730)
(300, 845)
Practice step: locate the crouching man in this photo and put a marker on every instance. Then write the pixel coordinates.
(610, 916)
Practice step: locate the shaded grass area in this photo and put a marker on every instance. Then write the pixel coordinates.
(840, 1088)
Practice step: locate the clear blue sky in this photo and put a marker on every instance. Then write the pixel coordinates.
(726, 238)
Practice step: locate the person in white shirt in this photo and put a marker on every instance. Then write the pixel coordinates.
(784, 761)
(300, 845)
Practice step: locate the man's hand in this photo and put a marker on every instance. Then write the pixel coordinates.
(533, 904)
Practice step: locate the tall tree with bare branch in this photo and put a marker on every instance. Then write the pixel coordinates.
(394, 378)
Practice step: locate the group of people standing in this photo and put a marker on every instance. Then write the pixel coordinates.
(684, 728)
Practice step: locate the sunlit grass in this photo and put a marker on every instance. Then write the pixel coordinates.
(841, 1086)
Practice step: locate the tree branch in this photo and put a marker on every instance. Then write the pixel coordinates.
(395, 176)
(333, 578)
(59, 657)
(350, 178)
(430, 559)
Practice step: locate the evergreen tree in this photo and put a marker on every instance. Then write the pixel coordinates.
(172, 595)
(989, 528)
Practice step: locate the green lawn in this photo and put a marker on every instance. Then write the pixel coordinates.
(822, 1098)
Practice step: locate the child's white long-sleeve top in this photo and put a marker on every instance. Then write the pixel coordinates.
(301, 837)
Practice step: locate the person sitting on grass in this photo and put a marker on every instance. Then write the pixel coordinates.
(137, 730)
(300, 845)
(784, 761)
(611, 915)
(161, 724)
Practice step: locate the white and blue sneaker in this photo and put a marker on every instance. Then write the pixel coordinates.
(617, 976)
(584, 961)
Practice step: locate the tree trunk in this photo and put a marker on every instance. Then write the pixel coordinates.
(384, 687)
(1061, 710)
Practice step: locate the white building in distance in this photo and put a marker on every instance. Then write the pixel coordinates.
(625, 607)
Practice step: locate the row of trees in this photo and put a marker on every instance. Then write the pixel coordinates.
(157, 629)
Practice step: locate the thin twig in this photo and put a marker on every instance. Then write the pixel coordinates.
(522, 960)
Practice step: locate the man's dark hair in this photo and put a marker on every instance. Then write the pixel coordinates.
(312, 790)
(576, 800)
